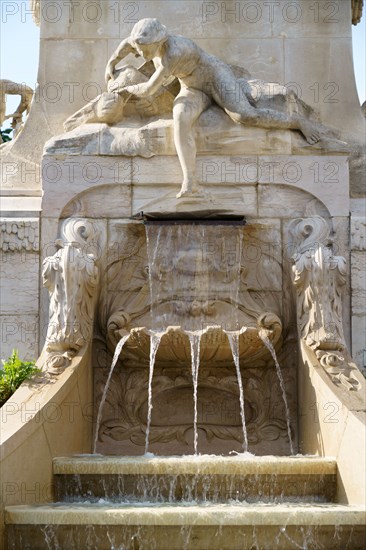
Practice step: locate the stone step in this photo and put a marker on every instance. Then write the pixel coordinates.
(195, 527)
(202, 478)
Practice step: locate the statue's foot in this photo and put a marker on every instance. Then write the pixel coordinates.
(310, 131)
(183, 193)
(190, 190)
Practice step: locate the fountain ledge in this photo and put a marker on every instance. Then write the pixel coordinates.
(203, 465)
(217, 514)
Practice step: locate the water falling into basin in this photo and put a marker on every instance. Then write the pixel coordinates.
(234, 344)
(155, 338)
(152, 244)
(195, 343)
(194, 272)
(194, 277)
(271, 349)
(116, 355)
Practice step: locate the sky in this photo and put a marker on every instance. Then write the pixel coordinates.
(19, 48)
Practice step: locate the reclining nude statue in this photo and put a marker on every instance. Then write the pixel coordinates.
(204, 80)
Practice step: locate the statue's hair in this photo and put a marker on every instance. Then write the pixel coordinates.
(148, 31)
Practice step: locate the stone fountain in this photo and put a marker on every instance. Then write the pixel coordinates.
(197, 389)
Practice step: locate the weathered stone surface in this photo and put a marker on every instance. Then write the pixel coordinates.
(325, 86)
(326, 178)
(358, 262)
(358, 340)
(233, 199)
(66, 178)
(105, 201)
(19, 283)
(286, 202)
(358, 233)
(20, 332)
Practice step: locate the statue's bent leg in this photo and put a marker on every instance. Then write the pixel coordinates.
(269, 118)
(188, 106)
(239, 109)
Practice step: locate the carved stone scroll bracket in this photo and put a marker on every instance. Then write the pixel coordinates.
(71, 276)
(319, 276)
(339, 367)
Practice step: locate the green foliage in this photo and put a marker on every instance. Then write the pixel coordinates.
(13, 372)
(5, 134)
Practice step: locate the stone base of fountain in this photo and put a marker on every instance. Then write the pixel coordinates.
(297, 509)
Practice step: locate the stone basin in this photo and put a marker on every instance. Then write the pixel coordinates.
(215, 350)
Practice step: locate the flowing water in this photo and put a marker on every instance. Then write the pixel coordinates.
(193, 268)
(155, 338)
(195, 343)
(234, 344)
(152, 245)
(117, 352)
(194, 271)
(271, 349)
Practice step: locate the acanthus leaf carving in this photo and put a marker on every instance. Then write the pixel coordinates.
(71, 277)
(319, 277)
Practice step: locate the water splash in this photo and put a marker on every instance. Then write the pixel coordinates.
(234, 345)
(155, 338)
(195, 343)
(117, 352)
(266, 341)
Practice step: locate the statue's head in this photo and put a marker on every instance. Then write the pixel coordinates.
(148, 31)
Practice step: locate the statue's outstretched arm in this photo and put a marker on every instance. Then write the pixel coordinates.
(149, 88)
(120, 53)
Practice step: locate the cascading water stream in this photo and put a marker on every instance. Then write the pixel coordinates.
(155, 338)
(152, 252)
(117, 352)
(195, 343)
(194, 270)
(233, 338)
(271, 349)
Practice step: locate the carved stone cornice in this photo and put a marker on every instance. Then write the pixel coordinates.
(19, 234)
(319, 277)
